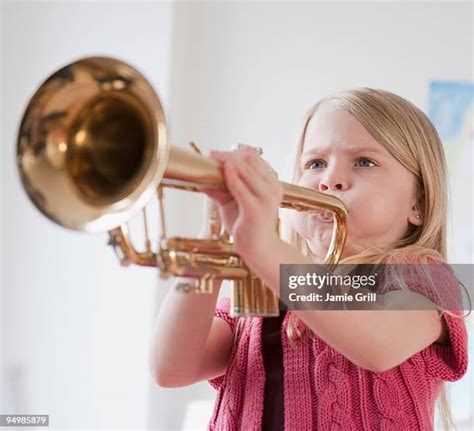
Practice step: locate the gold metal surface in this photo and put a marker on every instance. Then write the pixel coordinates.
(92, 151)
(92, 145)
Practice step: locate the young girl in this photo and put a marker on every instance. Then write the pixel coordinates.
(338, 369)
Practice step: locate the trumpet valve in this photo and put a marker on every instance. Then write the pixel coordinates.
(204, 285)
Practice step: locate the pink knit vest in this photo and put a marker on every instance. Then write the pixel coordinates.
(323, 390)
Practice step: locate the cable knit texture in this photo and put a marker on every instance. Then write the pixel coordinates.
(323, 390)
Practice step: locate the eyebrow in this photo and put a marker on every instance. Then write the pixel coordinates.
(315, 151)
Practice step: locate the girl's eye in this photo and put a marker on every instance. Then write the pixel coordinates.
(314, 164)
(362, 162)
(366, 162)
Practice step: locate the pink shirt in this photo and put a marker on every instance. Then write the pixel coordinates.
(323, 390)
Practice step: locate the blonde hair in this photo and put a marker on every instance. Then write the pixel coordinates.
(410, 137)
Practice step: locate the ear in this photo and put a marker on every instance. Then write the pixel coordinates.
(415, 216)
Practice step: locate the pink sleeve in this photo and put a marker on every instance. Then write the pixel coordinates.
(439, 284)
(223, 312)
(443, 361)
(448, 361)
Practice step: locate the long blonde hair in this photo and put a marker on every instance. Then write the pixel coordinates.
(410, 137)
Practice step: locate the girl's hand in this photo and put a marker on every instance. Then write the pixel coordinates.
(249, 209)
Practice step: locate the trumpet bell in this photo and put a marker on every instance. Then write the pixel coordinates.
(92, 146)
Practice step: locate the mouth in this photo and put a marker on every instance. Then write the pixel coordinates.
(324, 215)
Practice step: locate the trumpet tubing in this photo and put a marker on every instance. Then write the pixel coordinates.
(92, 151)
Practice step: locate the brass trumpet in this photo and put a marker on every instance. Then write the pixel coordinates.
(92, 151)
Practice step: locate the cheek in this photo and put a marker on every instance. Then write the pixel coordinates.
(383, 205)
(298, 222)
(375, 213)
(308, 227)
(308, 180)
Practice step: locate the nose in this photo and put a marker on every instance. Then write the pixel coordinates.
(333, 180)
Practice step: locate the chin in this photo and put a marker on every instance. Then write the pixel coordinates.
(320, 247)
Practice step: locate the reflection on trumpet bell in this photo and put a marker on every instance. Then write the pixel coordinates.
(92, 145)
(92, 151)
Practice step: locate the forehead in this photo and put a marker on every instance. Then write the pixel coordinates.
(338, 129)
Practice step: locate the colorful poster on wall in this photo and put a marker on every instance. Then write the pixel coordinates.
(451, 109)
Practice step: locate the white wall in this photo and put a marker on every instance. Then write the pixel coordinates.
(75, 337)
(75, 325)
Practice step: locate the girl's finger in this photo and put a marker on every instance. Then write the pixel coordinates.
(260, 166)
(221, 196)
(249, 177)
(253, 172)
(219, 155)
(239, 189)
